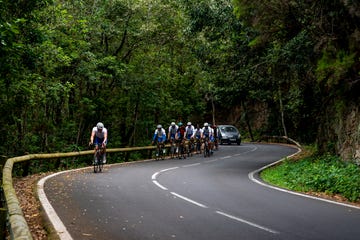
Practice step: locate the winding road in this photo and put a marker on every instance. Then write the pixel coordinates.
(216, 198)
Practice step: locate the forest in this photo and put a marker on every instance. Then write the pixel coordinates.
(279, 67)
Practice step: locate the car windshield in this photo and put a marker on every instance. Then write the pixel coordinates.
(229, 129)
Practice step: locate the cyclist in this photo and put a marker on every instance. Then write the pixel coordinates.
(197, 137)
(208, 132)
(216, 137)
(172, 131)
(189, 132)
(180, 134)
(99, 136)
(159, 135)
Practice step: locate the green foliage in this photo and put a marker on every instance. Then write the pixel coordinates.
(332, 69)
(317, 174)
(64, 65)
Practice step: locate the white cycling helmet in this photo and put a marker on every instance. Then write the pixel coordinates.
(159, 126)
(173, 124)
(206, 124)
(100, 125)
(189, 123)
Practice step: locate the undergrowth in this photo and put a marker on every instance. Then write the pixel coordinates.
(328, 174)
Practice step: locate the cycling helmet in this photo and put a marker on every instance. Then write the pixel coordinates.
(180, 124)
(206, 124)
(159, 126)
(100, 125)
(189, 123)
(173, 124)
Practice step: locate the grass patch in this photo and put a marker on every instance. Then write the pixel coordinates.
(327, 174)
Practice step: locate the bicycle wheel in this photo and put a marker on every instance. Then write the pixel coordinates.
(172, 151)
(158, 153)
(180, 151)
(162, 153)
(183, 151)
(96, 163)
(100, 163)
(206, 150)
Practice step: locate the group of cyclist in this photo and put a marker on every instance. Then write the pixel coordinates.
(190, 138)
(178, 134)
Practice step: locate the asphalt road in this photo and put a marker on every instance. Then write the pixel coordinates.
(196, 198)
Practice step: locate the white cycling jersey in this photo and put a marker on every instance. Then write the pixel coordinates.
(207, 131)
(99, 134)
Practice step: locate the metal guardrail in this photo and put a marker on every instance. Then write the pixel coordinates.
(279, 139)
(18, 227)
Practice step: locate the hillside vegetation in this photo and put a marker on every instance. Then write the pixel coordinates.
(269, 67)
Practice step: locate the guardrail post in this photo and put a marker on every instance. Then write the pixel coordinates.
(3, 210)
(3, 214)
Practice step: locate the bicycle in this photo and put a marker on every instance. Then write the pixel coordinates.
(172, 148)
(198, 145)
(206, 147)
(160, 151)
(98, 162)
(180, 149)
(189, 146)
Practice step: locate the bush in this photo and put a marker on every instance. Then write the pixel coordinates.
(320, 174)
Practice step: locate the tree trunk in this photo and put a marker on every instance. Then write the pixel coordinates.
(282, 113)
(247, 120)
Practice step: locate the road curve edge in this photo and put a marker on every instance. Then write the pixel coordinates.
(252, 174)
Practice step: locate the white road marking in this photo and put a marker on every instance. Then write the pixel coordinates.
(211, 161)
(189, 200)
(247, 222)
(159, 185)
(50, 211)
(169, 169)
(191, 165)
(154, 176)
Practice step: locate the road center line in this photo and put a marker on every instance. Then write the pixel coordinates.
(247, 222)
(169, 169)
(155, 175)
(210, 161)
(159, 185)
(191, 165)
(189, 200)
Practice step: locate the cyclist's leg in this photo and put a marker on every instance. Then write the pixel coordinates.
(96, 144)
(157, 148)
(100, 142)
(104, 154)
(162, 150)
(172, 148)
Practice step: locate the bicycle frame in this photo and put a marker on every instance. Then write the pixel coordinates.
(207, 147)
(172, 148)
(180, 147)
(98, 159)
(198, 145)
(160, 155)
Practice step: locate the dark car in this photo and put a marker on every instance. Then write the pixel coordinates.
(228, 134)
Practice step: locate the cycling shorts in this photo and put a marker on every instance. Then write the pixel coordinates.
(99, 141)
(159, 139)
